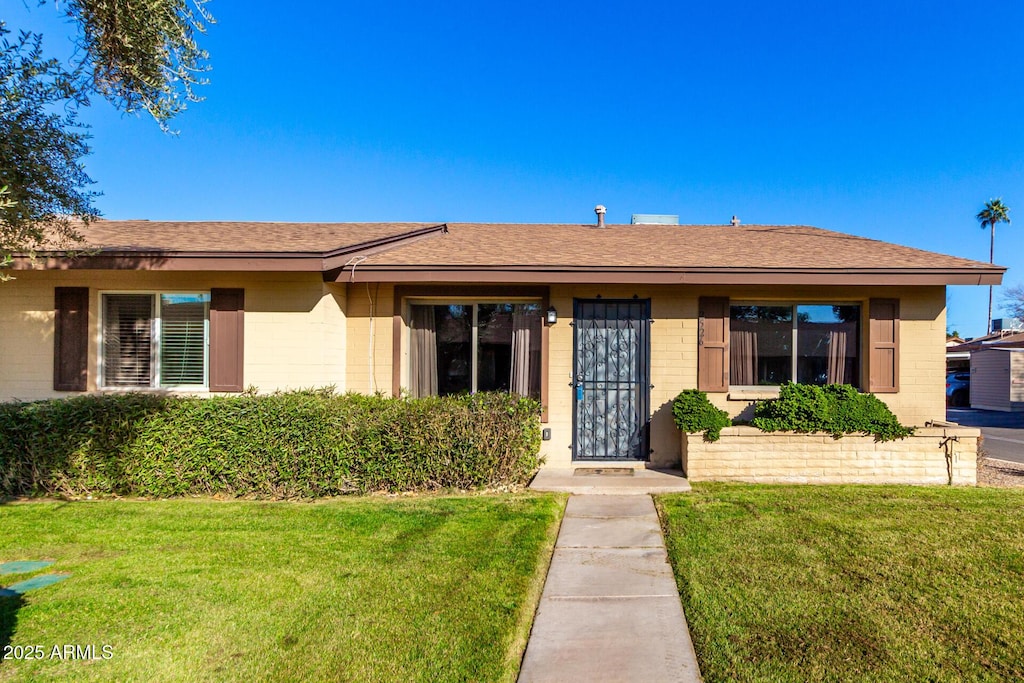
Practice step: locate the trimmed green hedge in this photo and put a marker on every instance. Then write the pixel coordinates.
(693, 412)
(835, 408)
(296, 444)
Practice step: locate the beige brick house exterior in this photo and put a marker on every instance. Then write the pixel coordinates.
(330, 304)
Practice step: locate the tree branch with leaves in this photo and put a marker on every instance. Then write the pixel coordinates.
(140, 55)
(41, 148)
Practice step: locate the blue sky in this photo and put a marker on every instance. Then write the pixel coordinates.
(873, 118)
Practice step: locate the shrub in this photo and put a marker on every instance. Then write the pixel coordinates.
(835, 408)
(303, 443)
(693, 412)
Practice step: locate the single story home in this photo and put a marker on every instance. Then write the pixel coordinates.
(604, 324)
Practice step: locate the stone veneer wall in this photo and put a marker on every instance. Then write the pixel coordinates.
(750, 455)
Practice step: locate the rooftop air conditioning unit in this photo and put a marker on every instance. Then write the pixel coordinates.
(654, 219)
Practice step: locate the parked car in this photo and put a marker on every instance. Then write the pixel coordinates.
(958, 389)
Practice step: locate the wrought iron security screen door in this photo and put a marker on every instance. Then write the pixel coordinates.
(611, 379)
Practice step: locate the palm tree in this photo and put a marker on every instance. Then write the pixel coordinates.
(994, 212)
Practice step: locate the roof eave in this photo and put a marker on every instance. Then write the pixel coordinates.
(685, 276)
(194, 261)
(294, 261)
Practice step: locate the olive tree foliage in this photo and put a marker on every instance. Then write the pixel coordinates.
(140, 55)
(43, 183)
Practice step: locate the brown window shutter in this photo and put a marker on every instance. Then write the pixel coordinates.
(227, 341)
(713, 345)
(884, 344)
(71, 338)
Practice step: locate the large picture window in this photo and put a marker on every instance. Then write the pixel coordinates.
(810, 344)
(155, 340)
(470, 347)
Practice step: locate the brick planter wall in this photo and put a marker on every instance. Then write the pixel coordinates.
(934, 455)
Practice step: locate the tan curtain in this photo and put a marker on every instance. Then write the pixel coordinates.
(525, 371)
(423, 352)
(837, 357)
(743, 357)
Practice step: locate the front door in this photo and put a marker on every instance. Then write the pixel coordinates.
(611, 379)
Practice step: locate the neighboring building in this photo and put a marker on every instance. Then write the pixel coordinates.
(997, 378)
(603, 324)
(957, 349)
(960, 358)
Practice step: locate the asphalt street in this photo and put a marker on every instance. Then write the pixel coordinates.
(1003, 432)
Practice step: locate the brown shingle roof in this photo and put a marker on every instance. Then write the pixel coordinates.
(497, 252)
(660, 246)
(235, 237)
(994, 340)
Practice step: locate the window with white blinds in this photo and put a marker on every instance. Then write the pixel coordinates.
(152, 340)
(128, 340)
(182, 347)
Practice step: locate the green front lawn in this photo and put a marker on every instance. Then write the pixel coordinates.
(851, 583)
(371, 589)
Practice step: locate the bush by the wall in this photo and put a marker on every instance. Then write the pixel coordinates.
(835, 408)
(693, 412)
(306, 443)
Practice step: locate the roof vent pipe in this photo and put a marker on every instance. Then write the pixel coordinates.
(735, 221)
(600, 211)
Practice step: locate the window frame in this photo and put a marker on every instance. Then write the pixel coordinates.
(473, 301)
(405, 291)
(794, 341)
(155, 335)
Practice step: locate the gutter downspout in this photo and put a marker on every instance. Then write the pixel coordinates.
(370, 358)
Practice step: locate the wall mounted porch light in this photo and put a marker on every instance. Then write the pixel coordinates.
(552, 316)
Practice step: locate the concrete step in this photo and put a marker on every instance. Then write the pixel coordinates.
(642, 481)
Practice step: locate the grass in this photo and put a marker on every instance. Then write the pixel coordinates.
(851, 583)
(413, 589)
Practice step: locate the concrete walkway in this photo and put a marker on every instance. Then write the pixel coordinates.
(610, 610)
